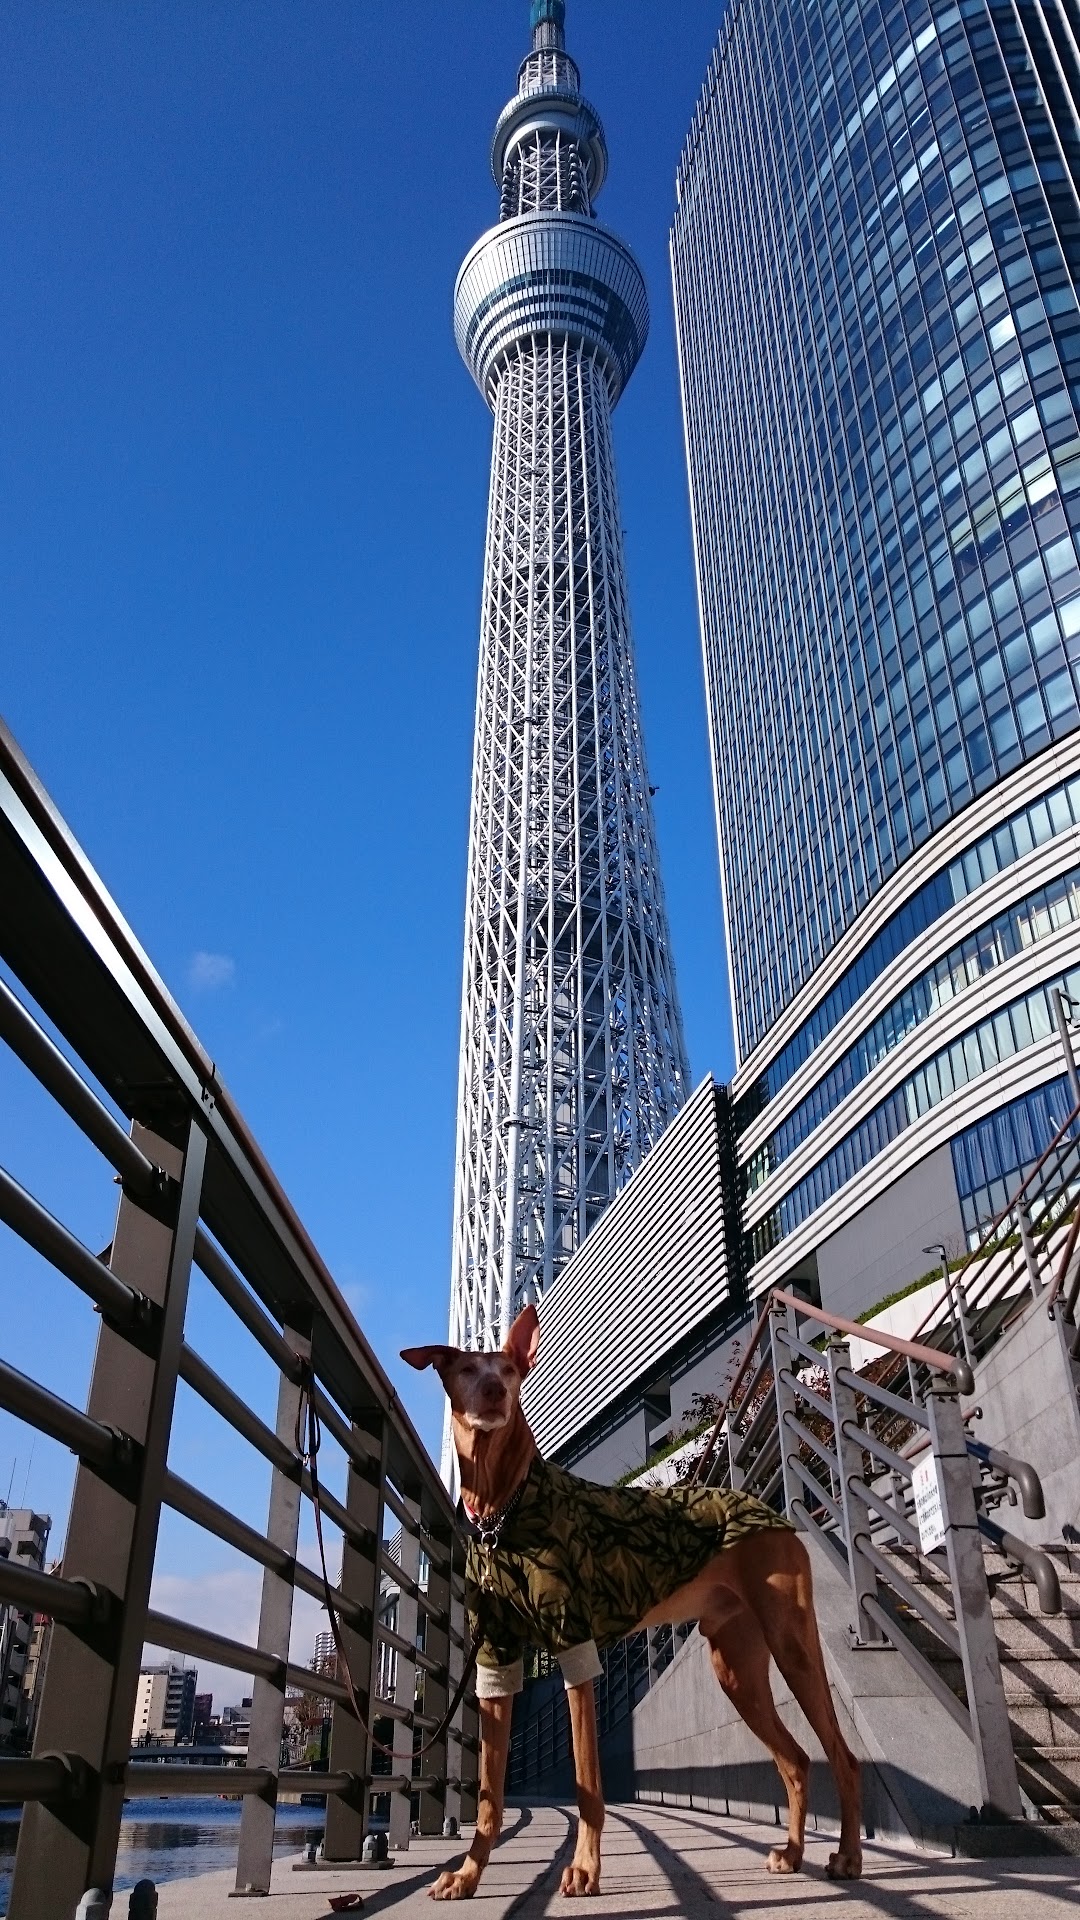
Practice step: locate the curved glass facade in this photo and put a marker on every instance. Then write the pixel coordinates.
(874, 252)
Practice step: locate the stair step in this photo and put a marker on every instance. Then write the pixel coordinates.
(1046, 1636)
(1040, 1724)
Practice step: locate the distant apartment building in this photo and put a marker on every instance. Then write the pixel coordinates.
(324, 1658)
(876, 250)
(24, 1537)
(164, 1706)
(202, 1718)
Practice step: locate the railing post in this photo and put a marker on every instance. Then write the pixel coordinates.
(1023, 1221)
(467, 1718)
(1058, 998)
(255, 1856)
(91, 1679)
(992, 1736)
(856, 1517)
(436, 1686)
(405, 1684)
(349, 1748)
(780, 1322)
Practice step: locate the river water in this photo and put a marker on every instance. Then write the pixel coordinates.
(171, 1839)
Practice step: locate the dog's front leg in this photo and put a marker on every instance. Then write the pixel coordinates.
(583, 1876)
(461, 1883)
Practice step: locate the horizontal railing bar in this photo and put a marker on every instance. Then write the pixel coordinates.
(795, 1426)
(322, 1685)
(392, 1570)
(820, 1405)
(68, 1088)
(440, 1556)
(362, 1538)
(765, 1458)
(73, 1602)
(49, 1778)
(919, 1664)
(360, 1448)
(180, 1636)
(772, 1485)
(795, 1345)
(916, 1600)
(879, 1505)
(394, 1640)
(213, 1389)
(423, 1660)
(892, 1402)
(400, 1511)
(223, 1276)
(439, 1616)
(295, 1780)
(926, 1356)
(753, 1386)
(34, 1224)
(862, 1438)
(198, 1507)
(761, 1421)
(177, 1780)
(815, 1487)
(353, 1612)
(390, 1710)
(99, 1446)
(166, 1777)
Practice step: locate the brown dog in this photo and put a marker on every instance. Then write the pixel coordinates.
(753, 1602)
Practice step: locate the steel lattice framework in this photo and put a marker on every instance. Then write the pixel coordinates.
(572, 1054)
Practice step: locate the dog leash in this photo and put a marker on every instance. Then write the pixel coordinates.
(308, 1442)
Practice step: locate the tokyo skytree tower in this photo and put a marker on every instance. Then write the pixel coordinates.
(572, 1053)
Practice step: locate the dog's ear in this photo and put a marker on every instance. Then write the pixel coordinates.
(421, 1357)
(523, 1340)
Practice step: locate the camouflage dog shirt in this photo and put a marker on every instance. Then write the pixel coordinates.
(578, 1566)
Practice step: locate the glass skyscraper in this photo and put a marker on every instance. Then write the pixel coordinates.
(875, 247)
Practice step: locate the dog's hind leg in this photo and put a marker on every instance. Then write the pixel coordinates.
(740, 1661)
(778, 1585)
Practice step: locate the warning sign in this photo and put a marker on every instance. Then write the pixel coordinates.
(928, 1515)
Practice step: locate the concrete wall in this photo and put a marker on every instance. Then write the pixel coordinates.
(881, 1250)
(616, 1454)
(685, 1741)
(624, 1449)
(1027, 1389)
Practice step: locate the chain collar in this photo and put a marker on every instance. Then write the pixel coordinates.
(488, 1528)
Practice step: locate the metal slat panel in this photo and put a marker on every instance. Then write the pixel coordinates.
(653, 1267)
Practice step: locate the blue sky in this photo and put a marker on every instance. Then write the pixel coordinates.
(243, 482)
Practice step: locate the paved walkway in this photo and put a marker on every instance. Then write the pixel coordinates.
(660, 1862)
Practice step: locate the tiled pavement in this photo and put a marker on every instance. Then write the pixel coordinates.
(659, 1862)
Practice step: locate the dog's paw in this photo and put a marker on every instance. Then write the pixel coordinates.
(784, 1859)
(453, 1886)
(845, 1866)
(578, 1881)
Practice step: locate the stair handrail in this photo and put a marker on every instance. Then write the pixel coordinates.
(703, 1462)
(987, 1246)
(844, 1500)
(932, 1357)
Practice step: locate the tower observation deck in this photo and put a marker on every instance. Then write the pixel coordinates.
(572, 1053)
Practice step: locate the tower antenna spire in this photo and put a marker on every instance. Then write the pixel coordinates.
(547, 19)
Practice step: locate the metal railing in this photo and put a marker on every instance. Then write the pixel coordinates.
(196, 1192)
(1029, 1252)
(837, 1449)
